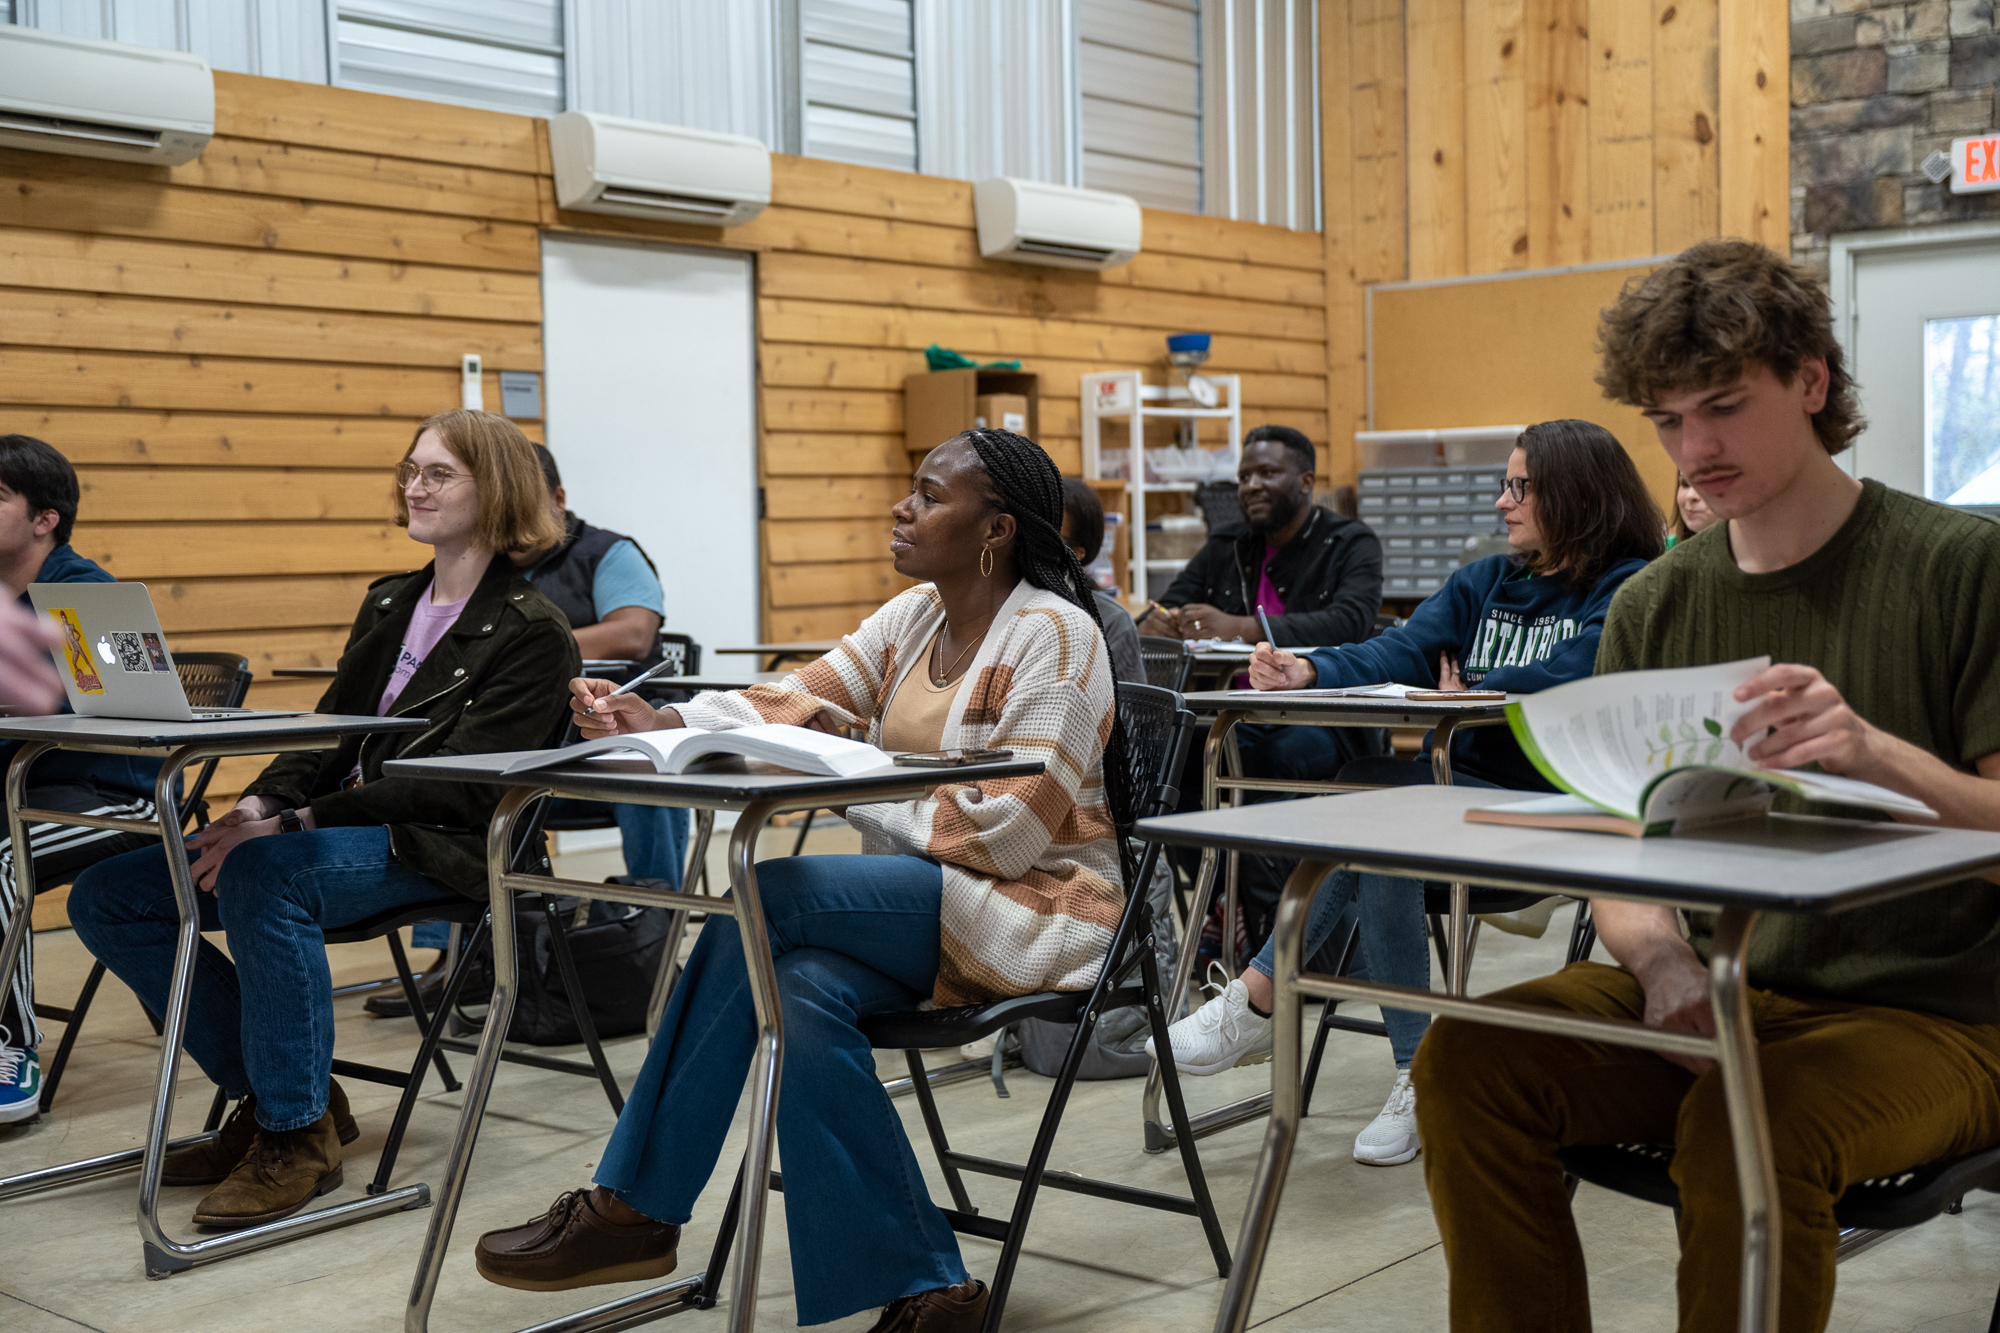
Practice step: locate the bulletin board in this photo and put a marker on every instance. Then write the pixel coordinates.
(1513, 347)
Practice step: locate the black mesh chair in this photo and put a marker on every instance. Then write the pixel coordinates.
(212, 680)
(529, 857)
(1868, 1212)
(683, 652)
(1157, 729)
(1168, 662)
(1220, 508)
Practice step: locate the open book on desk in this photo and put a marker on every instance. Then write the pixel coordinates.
(1647, 753)
(801, 749)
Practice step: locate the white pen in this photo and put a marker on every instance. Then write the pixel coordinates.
(1265, 621)
(636, 682)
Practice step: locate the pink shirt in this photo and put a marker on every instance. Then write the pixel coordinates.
(1267, 592)
(428, 622)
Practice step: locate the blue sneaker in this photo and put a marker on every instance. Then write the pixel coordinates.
(20, 1084)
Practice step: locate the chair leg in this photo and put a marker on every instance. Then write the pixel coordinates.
(71, 1026)
(725, 1237)
(425, 1020)
(999, 1059)
(920, 1084)
(799, 847)
(585, 1025)
(216, 1107)
(1582, 933)
(1325, 1024)
(159, 1028)
(426, 1048)
(1170, 1083)
(1438, 938)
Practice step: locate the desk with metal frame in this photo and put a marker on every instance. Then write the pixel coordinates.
(756, 797)
(1785, 863)
(782, 652)
(179, 745)
(1228, 709)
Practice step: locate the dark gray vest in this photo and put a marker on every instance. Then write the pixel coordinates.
(565, 575)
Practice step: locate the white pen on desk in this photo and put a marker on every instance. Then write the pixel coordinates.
(1265, 621)
(663, 668)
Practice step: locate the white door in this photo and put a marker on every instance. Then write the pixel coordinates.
(652, 416)
(1925, 344)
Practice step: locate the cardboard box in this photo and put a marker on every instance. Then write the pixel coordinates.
(1001, 411)
(941, 403)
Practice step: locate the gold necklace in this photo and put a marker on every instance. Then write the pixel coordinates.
(937, 652)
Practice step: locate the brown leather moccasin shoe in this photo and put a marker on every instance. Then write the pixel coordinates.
(281, 1173)
(210, 1163)
(959, 1309)
(573, 1245)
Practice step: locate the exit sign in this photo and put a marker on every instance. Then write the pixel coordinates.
(1975, 164)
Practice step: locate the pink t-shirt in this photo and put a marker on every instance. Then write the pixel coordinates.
(428, 622)
(1267, 592)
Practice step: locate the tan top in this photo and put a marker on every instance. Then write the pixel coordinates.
(916, 713)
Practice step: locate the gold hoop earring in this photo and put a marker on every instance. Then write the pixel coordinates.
(985, 562)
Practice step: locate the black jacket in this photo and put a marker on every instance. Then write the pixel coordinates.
(1330, 576)
(498, 680)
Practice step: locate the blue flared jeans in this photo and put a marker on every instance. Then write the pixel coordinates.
(852, 936)
(263, 1023)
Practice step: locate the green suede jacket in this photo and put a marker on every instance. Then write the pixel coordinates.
(498, 680)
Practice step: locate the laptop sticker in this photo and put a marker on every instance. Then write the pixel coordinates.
(130, 652)
(157, 652)
(76, 655)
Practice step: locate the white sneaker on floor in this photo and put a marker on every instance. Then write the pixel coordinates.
(1531, 921)
(981, 1049)
(1391, 1137)
(1220, 1035)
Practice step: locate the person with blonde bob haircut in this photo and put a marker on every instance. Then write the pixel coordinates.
(323, 839)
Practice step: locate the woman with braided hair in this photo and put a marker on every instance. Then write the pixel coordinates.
(978, 891)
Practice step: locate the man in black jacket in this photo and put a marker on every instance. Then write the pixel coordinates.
(1319, 574)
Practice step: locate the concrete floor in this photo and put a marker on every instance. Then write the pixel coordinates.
(1356, 1249)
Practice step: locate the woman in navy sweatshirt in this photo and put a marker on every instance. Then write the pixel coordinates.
(1580, 523)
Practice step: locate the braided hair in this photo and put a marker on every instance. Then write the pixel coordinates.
(1027, 485)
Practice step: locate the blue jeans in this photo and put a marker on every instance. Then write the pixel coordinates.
(1394, 942)
(264, 1023)
(656, 840)
(852, 936)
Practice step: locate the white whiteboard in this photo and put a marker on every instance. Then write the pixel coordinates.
(652, 416)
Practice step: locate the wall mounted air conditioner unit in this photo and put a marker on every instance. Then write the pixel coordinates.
(87, 98)
(1032, 223)
(639, 169)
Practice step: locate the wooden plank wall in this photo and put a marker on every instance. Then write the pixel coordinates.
(1537, 134)
(235, 351)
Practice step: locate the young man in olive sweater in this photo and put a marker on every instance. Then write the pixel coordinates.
(1879, 1029)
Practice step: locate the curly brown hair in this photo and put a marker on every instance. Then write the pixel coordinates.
(1698, 320)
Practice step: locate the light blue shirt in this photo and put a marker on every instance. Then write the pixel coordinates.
(623, 578)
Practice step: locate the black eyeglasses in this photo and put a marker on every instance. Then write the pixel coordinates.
(1516, 487)
(436, 477)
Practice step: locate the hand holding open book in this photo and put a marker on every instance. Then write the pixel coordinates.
(1648, 752)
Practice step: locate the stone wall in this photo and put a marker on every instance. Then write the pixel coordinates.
(1876, 86)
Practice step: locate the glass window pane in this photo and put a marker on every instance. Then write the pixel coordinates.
(1962, 410)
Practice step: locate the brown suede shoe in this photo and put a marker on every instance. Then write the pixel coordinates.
(959, 1309)
(282, 1172)
(210, 1163)
(573, 1245)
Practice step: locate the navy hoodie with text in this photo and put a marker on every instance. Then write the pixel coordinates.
(1509, 629)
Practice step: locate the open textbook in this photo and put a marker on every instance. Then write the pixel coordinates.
(1648, 752)
(800, 749)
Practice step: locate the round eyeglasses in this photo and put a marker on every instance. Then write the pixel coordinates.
(435, 477)
(1516, 487)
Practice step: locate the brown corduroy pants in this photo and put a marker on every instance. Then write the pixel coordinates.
(1853, 1092)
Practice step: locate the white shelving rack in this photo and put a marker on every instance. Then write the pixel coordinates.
(1123, 396)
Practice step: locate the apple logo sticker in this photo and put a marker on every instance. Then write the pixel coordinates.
(104, 651)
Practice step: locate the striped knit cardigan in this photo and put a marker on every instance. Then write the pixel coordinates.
(1031, 877)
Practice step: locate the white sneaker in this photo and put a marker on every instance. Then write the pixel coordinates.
(1531, 921)
(1391, 1137)
(1220, 1035)
(981, 1049)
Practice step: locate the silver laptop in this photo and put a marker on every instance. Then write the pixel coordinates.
(114, 660)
